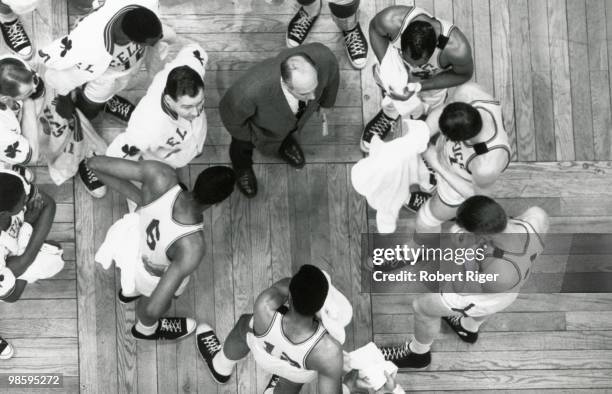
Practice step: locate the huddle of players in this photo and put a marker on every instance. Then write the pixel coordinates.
(168, 129)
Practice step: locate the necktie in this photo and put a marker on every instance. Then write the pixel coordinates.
(301, 108)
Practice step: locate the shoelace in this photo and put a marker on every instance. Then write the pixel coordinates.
(354, 43)
(173, 325)
(16, 34)
(117, 106)
(381, 124)
(419, 200)
(91, 176)
(301, 26)
(455, 319)
(395, 352)
(212, 344)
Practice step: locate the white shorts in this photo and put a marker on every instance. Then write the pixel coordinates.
(108, 84)
(146, 283)
(478, 305)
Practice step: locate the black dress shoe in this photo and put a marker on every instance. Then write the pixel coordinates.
(246, 182)
(291, 152)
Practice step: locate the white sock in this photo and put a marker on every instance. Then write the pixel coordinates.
(470, 324)
(5, 18)
(418, 347)
(146, 330)
(313, 9)
(222, 364)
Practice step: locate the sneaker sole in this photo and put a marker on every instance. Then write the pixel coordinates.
(364, 148)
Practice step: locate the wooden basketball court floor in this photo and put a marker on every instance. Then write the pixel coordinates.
(547, 61)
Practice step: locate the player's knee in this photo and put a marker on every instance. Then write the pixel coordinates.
(427, 218)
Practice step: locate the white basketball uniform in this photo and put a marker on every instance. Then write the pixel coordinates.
(14, 147)
(158, 231)
(483, 304)
(155, 131)
(430, 98)
(278, 355)
(457, 156)
(125, 64)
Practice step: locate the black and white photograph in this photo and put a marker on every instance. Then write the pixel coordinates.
(306, 196)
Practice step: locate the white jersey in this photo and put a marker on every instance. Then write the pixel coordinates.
(158, 231)
(276, 353)
(14, 148)
(488, 303)
(432, 67)
(154, 131)
(457, 156)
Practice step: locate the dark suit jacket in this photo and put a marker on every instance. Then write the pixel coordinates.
(255, 109)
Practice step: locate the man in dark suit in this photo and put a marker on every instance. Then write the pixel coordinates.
(273, 100)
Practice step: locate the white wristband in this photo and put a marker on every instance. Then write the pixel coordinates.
(415, 87)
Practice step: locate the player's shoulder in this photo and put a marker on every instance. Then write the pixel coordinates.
(326, 354)
(537, 218)
(158, 176)
(458, 49)
(389, 20)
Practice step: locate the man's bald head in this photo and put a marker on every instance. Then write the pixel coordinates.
(298, 72)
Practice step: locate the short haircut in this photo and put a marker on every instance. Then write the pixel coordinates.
(140, 24)
(285, 68)
(482, 215)
(11, 191)
(308, 289)
(13, 73)
(420, 38)
(183, 81)
(214, 185)
(460, 122)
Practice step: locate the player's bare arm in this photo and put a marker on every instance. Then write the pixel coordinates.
(268, 302)
(486, 169)
(29, 128)
(384, 26)
(457, 53)
(538, 218)
(326, 358)
(41, 227)
(188, 254)
(456, 182)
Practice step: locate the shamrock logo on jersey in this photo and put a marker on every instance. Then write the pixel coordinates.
(66, 46)
(129, 150)
(11, 150)
(198, 56)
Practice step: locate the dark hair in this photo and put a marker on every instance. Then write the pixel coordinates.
(460, 122)
(11, 191)
(13, 73)
(140, 24)
(308, 289)
(286, 71)
(183, 81)
(214, 185)
(420, 38)
(481, 215)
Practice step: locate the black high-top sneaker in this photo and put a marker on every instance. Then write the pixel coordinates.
(356, 46)
(403, 357)
(455, 323)
(299, 27)
(6, 350)
(94, 186)
(168, 328)
(417, 200)
(208, 346)
(120, 108)
(17, 39)
(380, 125)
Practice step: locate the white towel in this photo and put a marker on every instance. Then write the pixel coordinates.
(336, 313)
(21, 7)
(385, 176)
(371, 364)
(121, 247)
(393, 75)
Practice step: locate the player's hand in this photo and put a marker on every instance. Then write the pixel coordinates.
(389, 384)
(404, 95)
(64, 106)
